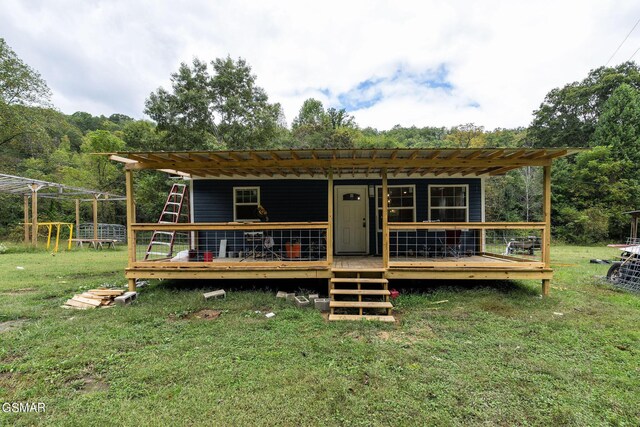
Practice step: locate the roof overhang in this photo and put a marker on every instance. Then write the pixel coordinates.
(398, 163)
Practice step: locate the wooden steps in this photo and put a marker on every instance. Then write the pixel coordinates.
(359, 294)
(356, 280)
(352, 317)
(360, 304)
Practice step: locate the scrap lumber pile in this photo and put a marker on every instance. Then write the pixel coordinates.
(101, 297)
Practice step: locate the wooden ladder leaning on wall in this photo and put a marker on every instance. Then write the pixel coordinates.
(172, 212)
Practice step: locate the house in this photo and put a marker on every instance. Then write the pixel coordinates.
(354, 217)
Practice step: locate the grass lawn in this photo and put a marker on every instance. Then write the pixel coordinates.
(493, 353)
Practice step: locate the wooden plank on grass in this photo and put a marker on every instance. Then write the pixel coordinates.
(92, 296)
(89, 301)
(107, 292)
(78, 304)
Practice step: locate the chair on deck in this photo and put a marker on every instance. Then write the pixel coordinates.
(453, 243)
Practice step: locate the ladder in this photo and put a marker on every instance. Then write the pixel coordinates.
(161, 244)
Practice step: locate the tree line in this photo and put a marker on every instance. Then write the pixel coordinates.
(218, 105)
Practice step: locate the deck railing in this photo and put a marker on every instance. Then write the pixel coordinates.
(469, 244)
(246, 245)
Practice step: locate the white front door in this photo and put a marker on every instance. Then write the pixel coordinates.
(351, 225)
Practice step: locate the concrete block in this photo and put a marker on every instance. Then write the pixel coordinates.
(290, 296)
(215, 294)
(281, 294)
(126, 298)
(301, 301)
(322, 304)
(313, 297)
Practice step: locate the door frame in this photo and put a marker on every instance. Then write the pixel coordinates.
(365, 191)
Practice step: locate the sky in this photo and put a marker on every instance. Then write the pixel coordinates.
(409, 63)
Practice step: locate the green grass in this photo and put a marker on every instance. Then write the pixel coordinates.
(495, 353)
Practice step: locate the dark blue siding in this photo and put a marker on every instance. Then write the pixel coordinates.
(291, 200)
(285, 200)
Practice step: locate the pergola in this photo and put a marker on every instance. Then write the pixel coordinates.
(349, 163)
(35, 188)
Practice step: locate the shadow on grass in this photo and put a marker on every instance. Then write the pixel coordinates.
(508, 288)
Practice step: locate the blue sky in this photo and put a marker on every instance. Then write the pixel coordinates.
(422, 63)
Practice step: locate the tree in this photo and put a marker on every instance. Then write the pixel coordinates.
(21, 87)
(105, 173)
(223, 109)
(568, 116)
(619, 126)
(19, 83)
(467, 136)
(314, 127)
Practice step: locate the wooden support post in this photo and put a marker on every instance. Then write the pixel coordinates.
(26, 220)
(132, 285)
(34, 214)
(385, 220)
(131, 219)
(546, 208)
(95, 216)
(78, 218)
(330, 218)
(55, 249)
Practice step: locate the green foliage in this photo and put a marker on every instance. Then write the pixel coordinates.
(209, 111)
(105, 174)
(467, 136)
(19, 83)
(316, 128)
(569, 115)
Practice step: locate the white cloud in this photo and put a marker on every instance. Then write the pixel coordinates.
(502, 57)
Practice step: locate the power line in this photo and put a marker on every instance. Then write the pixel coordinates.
(634, 54)
(620, 45)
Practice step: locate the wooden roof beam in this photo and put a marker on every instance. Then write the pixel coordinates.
(516, 154)
(274, 156)
(434, 154)
(536, 155)
(501, 170)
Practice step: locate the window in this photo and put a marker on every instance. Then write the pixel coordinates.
(449, 203)
(401, 204)
(245, 203)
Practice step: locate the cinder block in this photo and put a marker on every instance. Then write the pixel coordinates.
(290, 297)
(322, 304)
(301, 301)
(313, 298)
(215, 294)
(126, 298)
(281, 294)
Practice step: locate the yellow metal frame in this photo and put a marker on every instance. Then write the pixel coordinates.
(57, 225)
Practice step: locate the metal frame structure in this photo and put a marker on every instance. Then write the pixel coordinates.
(36, 189)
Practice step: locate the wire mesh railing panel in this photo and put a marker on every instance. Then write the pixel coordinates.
(233, 245)
(468, 244)
(105, 232)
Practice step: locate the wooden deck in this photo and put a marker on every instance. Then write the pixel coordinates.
(473, 267)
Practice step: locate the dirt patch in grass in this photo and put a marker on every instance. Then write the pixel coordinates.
(411, 336)
(12, 324)
(206, 314)
(15, 292)
(498, 307)
(92, 385)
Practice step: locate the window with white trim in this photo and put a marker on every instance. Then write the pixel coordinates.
(401, 200)
(245, 203)
(449, 203)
